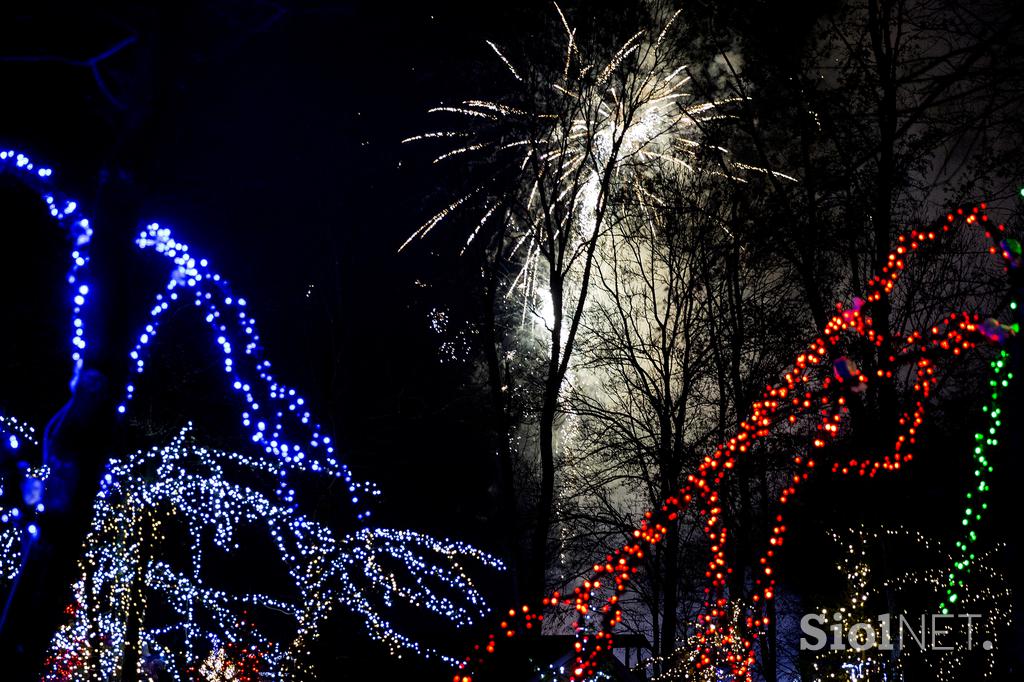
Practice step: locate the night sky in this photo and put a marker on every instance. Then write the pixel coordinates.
(272, 141)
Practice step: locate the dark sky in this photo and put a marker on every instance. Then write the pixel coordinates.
(268, 135)
(269, 139)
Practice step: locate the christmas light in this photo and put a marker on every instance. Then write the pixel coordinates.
(215, 495)
(22, 488)
(134, 574)
(983, 470)
(276, 416)
(986, 598)
(812, 400)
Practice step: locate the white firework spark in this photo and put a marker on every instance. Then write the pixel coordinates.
(596, 130)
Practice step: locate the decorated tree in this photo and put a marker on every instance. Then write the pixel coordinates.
(893, 645)
(141, 604)
(816, 402)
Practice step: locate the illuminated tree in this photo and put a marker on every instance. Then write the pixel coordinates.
(142, 604)
(817, 401)
(870, 593)
(138, 592)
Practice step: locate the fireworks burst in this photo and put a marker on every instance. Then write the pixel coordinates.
(593, 131)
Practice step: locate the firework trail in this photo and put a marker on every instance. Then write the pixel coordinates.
(593, 130)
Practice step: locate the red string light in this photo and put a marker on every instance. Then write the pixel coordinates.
(816, 389)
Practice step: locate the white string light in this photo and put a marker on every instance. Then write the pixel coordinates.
(983, 592)
(131, 569)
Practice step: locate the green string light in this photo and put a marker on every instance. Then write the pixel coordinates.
(975, 506)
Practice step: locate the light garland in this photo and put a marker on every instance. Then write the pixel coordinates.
(275, 415)
(976, 505)
(22, 488)
(853, 664)
(142, 495)
(233, 664)
(65, 213)
(985, 594)
(684, 664)
(814, 395)
(130, 576)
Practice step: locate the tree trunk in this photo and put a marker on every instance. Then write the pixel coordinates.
(670, 619)
(501, 390)
(537, 581)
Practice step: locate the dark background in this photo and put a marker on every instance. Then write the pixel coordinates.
(269, 138)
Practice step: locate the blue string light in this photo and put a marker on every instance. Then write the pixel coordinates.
(276, 416)
(21, 490)
(365, 571)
